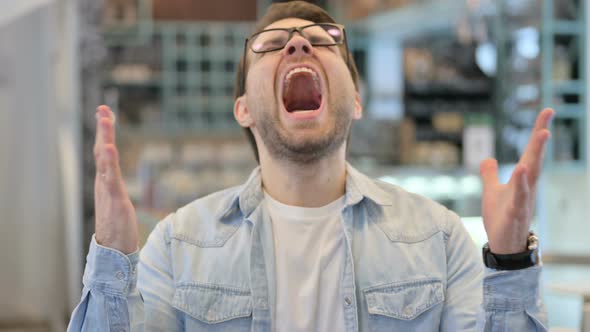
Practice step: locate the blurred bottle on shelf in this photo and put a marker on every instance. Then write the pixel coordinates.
(562, 67)
(478, 140)
(153, 159)
(564, 143)
(117, 12)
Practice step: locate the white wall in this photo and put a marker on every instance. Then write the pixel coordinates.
(567, 197)
(37, 137)
(13, 9)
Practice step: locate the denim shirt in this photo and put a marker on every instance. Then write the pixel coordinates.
(410, 266)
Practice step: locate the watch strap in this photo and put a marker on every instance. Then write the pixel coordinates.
(517, 261)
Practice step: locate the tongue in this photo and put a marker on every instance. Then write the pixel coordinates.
(301, 93)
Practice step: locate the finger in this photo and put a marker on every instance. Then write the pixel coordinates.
(520, 182)
(109, 170)
(534, 152)
(543, 119)
(103, 113)
(488, 170)
(541, 125)
(101, 159)
(104, 129)
(107, 130)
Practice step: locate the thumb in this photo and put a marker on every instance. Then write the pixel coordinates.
(488, 170)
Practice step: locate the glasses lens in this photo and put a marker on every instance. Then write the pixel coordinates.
(323, 34)
(269, 40)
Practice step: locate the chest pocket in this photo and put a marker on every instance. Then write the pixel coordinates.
(403, 306)
(214, 307)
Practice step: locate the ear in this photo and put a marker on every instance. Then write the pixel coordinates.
(241, 112)
(358, 107)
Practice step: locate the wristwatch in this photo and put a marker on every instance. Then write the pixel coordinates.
(518, 261)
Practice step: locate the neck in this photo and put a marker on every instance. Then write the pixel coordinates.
(311, 185)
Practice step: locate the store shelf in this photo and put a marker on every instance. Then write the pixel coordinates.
(194, 132)
(573, 114)
(440, 93)
(568, 87)
(152, 83)
(456, 188)
(561, 27)
(401, 24)
(431, 135)
(569, 111)
(194, 72)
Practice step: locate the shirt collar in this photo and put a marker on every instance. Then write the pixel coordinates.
(249, 195)
(359, 186)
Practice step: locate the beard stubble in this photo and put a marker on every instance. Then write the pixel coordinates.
(283, 145)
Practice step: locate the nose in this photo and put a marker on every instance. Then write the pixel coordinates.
(297, 46)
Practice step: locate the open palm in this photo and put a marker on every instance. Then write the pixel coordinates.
(508, 208)
(116, 220)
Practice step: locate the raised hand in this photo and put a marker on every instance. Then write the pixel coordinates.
(116, 221)
(508, 208)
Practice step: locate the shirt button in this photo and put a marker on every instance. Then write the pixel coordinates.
(347, 301)
(120, 275)
(261, 303)
(408, 311)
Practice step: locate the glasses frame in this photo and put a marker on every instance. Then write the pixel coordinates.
(291, 31)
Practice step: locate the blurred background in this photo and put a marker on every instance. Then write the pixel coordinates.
(444, 83)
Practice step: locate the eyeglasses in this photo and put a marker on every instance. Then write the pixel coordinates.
(320, 34)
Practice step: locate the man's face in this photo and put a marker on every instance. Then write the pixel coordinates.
(301, 99)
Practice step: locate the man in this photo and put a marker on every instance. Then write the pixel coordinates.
(308, 243)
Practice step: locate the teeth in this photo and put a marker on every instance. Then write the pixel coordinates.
(293, 71)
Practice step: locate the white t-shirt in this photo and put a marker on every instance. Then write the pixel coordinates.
(309, 253)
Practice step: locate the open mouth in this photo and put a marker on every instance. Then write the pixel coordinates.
(302, 90)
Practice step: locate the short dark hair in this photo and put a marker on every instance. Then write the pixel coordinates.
(279, 11)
